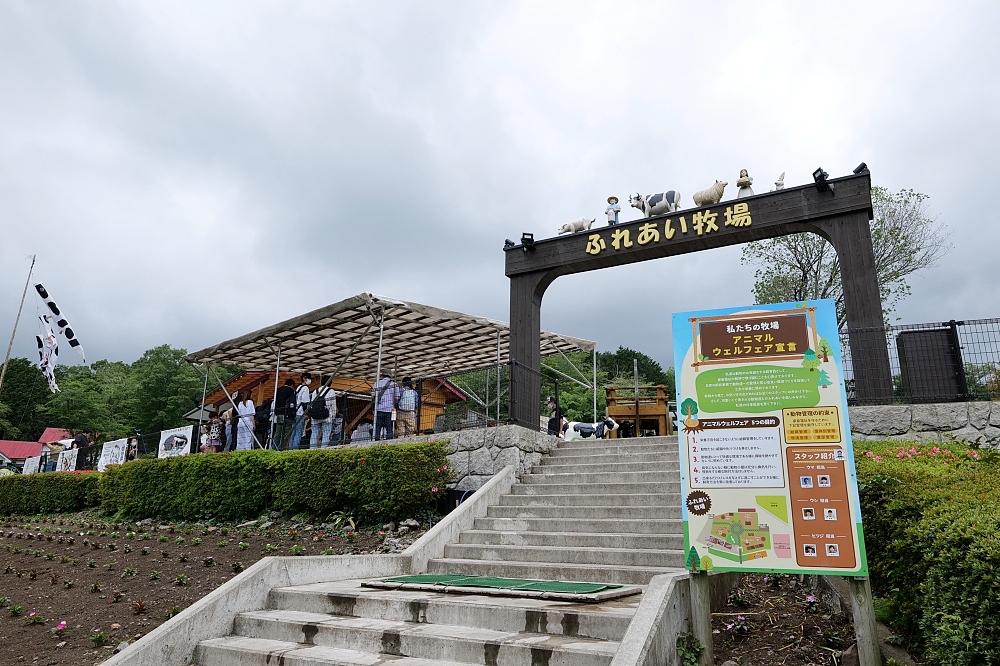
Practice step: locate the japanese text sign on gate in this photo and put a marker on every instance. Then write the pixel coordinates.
(766, 459)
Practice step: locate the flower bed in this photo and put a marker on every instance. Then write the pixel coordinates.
(932, 528)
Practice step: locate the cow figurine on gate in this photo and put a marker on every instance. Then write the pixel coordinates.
(579, 224)
(656, 204)
(573, 430)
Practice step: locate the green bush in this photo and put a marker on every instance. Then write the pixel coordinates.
(48, 493)
(932, 531)
(373, 484)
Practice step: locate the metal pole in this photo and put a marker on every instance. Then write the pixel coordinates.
(378, 375)
(635, 374)
(204, 394)
(595, 383)
(498, 376)
(274, 402)
(3, 372)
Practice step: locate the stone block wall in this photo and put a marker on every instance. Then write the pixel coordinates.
(477, 454)
(974, 423)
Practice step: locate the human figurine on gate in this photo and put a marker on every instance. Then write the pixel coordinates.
(612, 211)
(744, 183)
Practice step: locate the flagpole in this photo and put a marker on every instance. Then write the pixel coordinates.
(3, 373)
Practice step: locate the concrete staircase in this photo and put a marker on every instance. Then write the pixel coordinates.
(604, 511)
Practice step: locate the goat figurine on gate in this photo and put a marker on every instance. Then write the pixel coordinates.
(574, 430)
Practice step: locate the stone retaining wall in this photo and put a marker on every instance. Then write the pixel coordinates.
(975, 423)
(477, 454)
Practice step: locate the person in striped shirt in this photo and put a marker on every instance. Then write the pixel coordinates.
(406, 409)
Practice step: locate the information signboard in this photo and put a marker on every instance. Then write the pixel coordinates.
(767, 463)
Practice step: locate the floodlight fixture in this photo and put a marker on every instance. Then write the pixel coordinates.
(528, 242)
(820, 176)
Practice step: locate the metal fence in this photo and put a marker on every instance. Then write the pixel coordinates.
(935, 362)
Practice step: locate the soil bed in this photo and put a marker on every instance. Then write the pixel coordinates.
(112, 581)
(774, 619)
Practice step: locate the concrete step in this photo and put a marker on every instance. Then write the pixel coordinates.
(600, 477)
(619, 575)
(609, 557)
(244, 651)
(574, 539)
(565, 451)
(648, 466)
(428, 641)
(659, 499)
(607, 620)
(666, 486)
(582, 524)
(601, 457)
(636, 512)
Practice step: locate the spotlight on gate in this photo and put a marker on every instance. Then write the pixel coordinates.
(861, 168)
(528, 242)
(508, 243)
(820, 177)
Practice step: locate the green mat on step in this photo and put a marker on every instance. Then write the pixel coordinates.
(453, 580)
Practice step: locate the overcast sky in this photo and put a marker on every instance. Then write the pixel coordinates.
(189, 172)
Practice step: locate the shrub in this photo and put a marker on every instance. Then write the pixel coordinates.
(932, 519)
(377, 483)
(48, 493)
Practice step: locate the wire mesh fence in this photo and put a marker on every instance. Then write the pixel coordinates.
(933, 362)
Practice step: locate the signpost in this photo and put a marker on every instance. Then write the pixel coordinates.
(766, 459)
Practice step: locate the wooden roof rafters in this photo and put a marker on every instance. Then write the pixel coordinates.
(419, 341)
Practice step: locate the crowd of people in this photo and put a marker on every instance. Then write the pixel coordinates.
(307, 418)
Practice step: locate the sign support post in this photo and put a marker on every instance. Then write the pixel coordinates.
(865, 629)
(701, 616)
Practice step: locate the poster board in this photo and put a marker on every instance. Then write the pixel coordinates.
(31, 465)
(112, 453)
(766, 457)
(175, 442)
(67, 460)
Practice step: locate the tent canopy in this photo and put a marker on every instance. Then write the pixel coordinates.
(419, 341)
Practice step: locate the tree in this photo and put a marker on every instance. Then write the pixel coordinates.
(804, 267)
(166, 387)
(823, 380)
(810, 360)
(824, 348)
(25, 393)
(693, 561)
(619, 364)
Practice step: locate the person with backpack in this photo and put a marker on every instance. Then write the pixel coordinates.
(302, 400)
(322, 409)
(284, 413)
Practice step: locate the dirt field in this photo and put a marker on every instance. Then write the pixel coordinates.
(111, 582)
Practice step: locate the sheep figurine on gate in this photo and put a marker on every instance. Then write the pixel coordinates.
(656, 204)
(710, 195)
(579, 224)
(573, 430)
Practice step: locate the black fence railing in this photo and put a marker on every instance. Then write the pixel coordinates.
(936, 362)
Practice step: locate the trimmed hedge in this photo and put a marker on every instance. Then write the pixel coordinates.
(373, 484)
(48, 493)
(932, 531)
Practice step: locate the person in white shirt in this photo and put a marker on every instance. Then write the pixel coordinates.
(406, 408)
(302, 399)
(322, 419)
